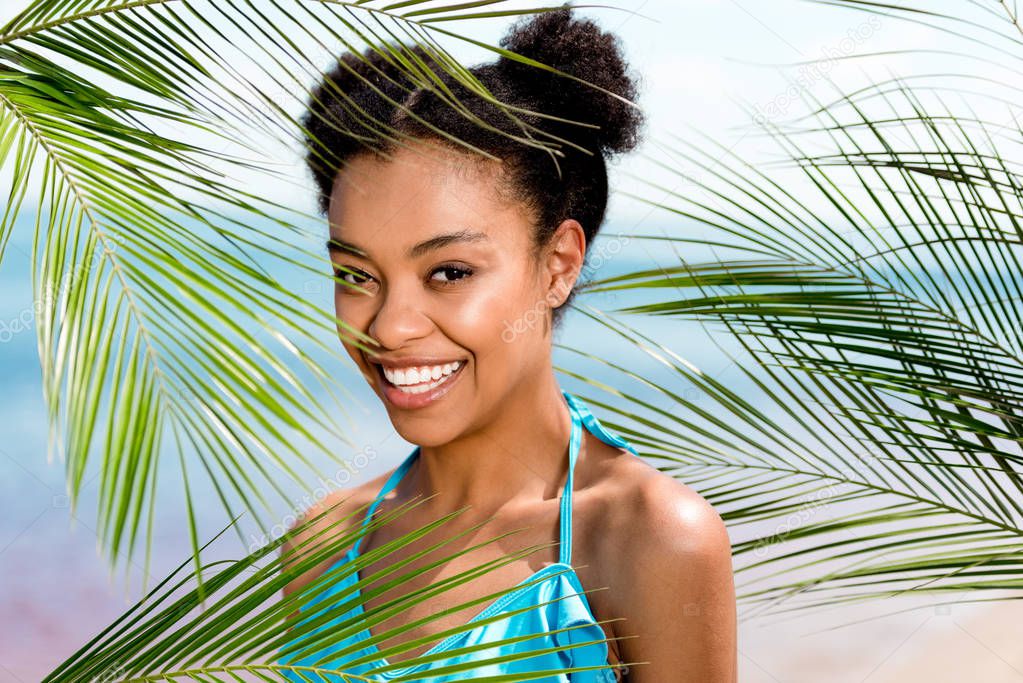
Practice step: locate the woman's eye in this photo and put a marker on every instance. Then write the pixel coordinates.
(452, 274)
(444, 275)
(360, 277)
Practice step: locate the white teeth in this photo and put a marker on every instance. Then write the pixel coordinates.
(417, 380)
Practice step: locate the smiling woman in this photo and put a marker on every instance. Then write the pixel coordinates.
(444, 232)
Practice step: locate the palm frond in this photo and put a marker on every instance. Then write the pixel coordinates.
(159, 324)
(882, 305)
(840, 513)
(230, 623)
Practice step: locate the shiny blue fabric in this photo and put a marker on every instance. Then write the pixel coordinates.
(555, 611)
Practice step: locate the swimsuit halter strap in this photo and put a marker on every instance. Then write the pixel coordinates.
(391, 482)
(581, 417)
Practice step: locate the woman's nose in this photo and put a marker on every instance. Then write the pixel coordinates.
(400, 319)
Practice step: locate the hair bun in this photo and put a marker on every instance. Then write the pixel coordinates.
(577, 47)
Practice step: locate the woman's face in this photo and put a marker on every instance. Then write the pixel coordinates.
(447, 284)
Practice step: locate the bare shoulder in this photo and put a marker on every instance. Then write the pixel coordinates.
(669, 557)
(320, 523)
(663, 519)
(657, 513)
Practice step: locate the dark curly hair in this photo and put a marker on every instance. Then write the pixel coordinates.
(365, 99)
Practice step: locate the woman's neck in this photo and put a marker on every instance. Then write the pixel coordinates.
(520, 454)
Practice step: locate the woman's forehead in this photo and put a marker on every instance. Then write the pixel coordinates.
(412, 198)
(430, 162)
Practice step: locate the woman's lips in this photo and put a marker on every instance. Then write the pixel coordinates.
(401, 399)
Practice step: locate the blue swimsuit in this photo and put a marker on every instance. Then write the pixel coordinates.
(554, 591)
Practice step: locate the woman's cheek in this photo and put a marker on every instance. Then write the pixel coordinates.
(354, 310)
(492, 311)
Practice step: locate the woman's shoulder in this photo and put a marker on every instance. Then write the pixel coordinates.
(336, 513)
(669, 560)
(654, 515)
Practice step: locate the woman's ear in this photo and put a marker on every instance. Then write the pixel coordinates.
(564, 261)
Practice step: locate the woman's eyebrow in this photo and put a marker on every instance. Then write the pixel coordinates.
(335, 245)
(435, 242)
(438, 241)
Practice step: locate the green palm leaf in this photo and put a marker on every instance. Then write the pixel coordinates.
(148, 251)
(156, 307)
(880, 304)
(885, 326)
(230, 623)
